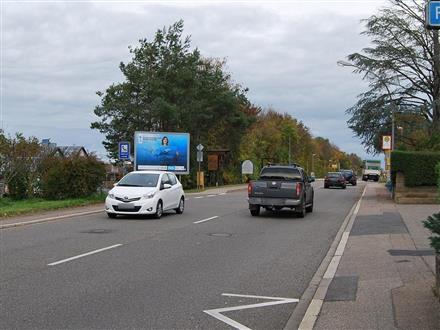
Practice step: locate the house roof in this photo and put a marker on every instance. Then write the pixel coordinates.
(72, 150)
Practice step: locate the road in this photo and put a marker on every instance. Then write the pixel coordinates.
(163, 274)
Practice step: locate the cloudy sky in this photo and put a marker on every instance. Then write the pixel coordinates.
(57, 54)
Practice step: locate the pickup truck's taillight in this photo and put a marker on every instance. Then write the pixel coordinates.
(249, 188)
(298, 189)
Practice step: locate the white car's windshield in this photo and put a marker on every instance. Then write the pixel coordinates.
(139, 180)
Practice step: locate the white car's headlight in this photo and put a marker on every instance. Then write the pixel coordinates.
(149, 195)
(112, 196)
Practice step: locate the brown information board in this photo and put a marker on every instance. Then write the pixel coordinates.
(212, 162)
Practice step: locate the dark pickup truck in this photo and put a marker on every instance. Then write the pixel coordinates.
(281, 187)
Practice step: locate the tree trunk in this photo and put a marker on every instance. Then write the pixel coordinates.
(436, 91)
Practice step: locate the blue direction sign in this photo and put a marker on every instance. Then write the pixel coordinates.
(432, 12)
(124, 150)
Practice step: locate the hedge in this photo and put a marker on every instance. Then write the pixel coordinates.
(437, 170)
(418, 167)
(71, 177)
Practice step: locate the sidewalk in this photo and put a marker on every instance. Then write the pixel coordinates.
(386, 274)
(96, 208)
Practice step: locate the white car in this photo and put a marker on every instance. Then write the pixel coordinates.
(145, 192)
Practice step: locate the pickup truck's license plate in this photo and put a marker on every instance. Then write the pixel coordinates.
(126, 206)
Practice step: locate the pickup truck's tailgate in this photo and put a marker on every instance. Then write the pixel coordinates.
(275, 189)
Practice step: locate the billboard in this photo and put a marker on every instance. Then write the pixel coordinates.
(161, 151)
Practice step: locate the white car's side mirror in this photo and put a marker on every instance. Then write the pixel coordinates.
(166, 186)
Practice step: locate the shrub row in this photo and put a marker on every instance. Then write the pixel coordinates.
(419, 167)
(71, 177)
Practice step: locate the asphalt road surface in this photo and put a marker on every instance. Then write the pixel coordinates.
(164, 274)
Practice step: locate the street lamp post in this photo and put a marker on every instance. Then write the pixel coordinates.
(393, 105)
(313, 163)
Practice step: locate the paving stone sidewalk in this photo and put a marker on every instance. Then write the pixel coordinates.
(386, 274)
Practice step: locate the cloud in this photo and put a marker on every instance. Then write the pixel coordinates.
(57, 55)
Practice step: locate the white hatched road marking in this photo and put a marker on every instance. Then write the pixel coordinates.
(208, 219)
(217, 312)
(84, 255)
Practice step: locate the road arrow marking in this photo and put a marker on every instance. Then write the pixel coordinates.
(217, 312)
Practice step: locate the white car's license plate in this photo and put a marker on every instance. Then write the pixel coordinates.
(126, 206)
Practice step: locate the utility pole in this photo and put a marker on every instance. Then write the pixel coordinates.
(289, 150)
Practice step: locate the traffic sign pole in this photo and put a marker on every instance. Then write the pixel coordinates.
(199, 148)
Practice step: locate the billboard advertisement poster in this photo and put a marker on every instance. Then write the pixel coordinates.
(162, 151)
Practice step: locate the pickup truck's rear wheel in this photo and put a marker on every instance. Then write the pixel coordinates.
(255, 210)
(302, 211)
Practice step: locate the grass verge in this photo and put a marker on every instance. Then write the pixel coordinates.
(9, 207)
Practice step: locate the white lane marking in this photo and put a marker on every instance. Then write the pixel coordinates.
(332, 267)
(58, 217)
(83, 255)
(222, 194)
(342, 244)
(199, 197)
(217, 312)
(311, 315)
(211, 195)
(204, 220)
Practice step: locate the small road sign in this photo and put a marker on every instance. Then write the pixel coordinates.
(200, 147)
(247, 167)
(386, 142)
(199, 156)
(432, 15)
(124, 150)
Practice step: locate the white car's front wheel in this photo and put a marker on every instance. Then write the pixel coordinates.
(159, 210)
(181, 206)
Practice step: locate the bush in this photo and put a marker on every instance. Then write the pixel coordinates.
(437, 170)
(71, 177)
(18, 187)
(433, 224)
(419, 167)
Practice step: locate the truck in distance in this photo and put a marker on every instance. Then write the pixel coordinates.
(371, 170)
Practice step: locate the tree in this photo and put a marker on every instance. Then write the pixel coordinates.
(170, 87)
(19, 161)
(403, 70)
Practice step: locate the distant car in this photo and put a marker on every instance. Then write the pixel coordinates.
(280, 187)
(145, 192)
(349, 176)
(334, 179)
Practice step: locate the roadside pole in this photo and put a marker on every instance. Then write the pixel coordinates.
(124, 154)
(200, 178)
